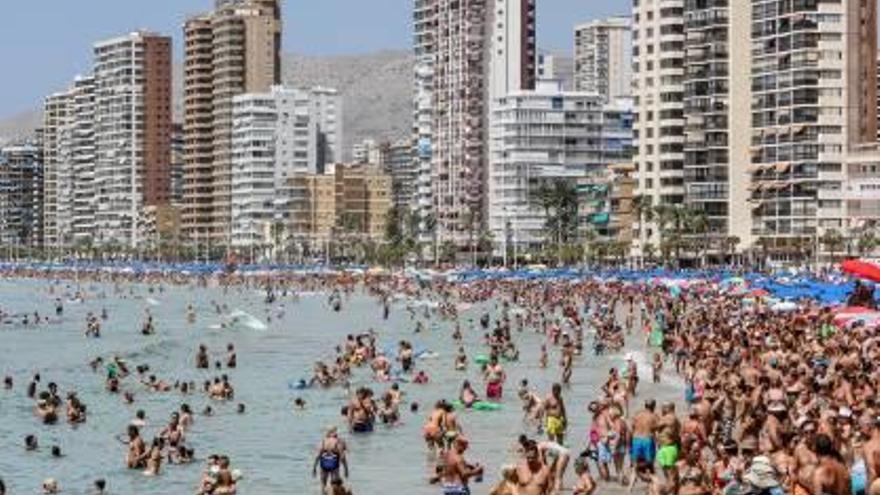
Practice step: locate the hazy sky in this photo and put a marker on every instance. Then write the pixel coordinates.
(44, 43)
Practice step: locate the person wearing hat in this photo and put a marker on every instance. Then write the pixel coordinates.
(330, 457)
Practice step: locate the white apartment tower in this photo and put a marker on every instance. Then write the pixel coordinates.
(814, 97)
(254, 118)
(540, 136)
(658, 85)
(717, 101)
(57, 171)
(277, 136)
(424, 51)
(603, 57)
(82, 155)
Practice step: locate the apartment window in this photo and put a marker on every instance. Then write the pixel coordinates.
(649, 183)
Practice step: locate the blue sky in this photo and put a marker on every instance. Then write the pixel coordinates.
(44, 43)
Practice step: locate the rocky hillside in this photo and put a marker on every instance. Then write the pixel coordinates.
(376, 92)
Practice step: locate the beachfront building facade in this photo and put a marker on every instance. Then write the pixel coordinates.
(459, 107)
(277, 136)
(658, 95)
(132, 128)
(605, 206)
(603, 57)
(21, 196)
(717, 102)
(424, 50)
(542, 136)
(396, 160)
(83, 160)
(347, 204)
(813, 97)
(57, 171)
(233, 50)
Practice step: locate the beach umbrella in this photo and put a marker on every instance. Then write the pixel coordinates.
(862, 269)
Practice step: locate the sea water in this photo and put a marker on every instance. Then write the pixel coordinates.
(272, 444)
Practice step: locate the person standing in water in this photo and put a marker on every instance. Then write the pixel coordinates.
(554, 412)
(331, 456)
(455, 473)
(495, 378)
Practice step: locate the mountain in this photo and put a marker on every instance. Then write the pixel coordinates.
(376, 94)
(19, 126)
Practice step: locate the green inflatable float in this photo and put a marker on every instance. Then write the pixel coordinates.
(478, 405)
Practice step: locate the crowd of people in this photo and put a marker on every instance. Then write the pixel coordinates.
(771, 402)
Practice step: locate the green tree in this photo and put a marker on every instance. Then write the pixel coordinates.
(833, 241)
(866, 243)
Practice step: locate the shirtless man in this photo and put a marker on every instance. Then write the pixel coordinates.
(361, 412)
(330, 456)
(668, 437)
(433, 428)
(455, 472)
(585, 484)
(554, 412)
(567, 356)
(871, 451)
(643, 447)
(137, 450)
(533, 475)
(495, 378)
(831, 476)
(805, 460)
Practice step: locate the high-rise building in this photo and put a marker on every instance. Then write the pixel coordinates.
(603, 57)
(58, 172)
(459, 111)
(277, 136)
(83, 158)
(366, 151)
(21, 184)
(233, 50)
(658, 89)
(812, 98)
(512, 47)
(717, 102)
(177, 146)
(541, 136)
(396, 160)
(254, 118)
(425, 14)
(132, 129)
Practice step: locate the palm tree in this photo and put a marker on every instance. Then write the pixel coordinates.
(648, 251)
(431, 228)
(698, 226)
(866, 243)
(729, 245)
(833, 241)
(590, 237)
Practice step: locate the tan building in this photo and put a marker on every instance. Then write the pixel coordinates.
(605, 202)
(349, 200)
(235, 49)
(363, 199)
(312, 209)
